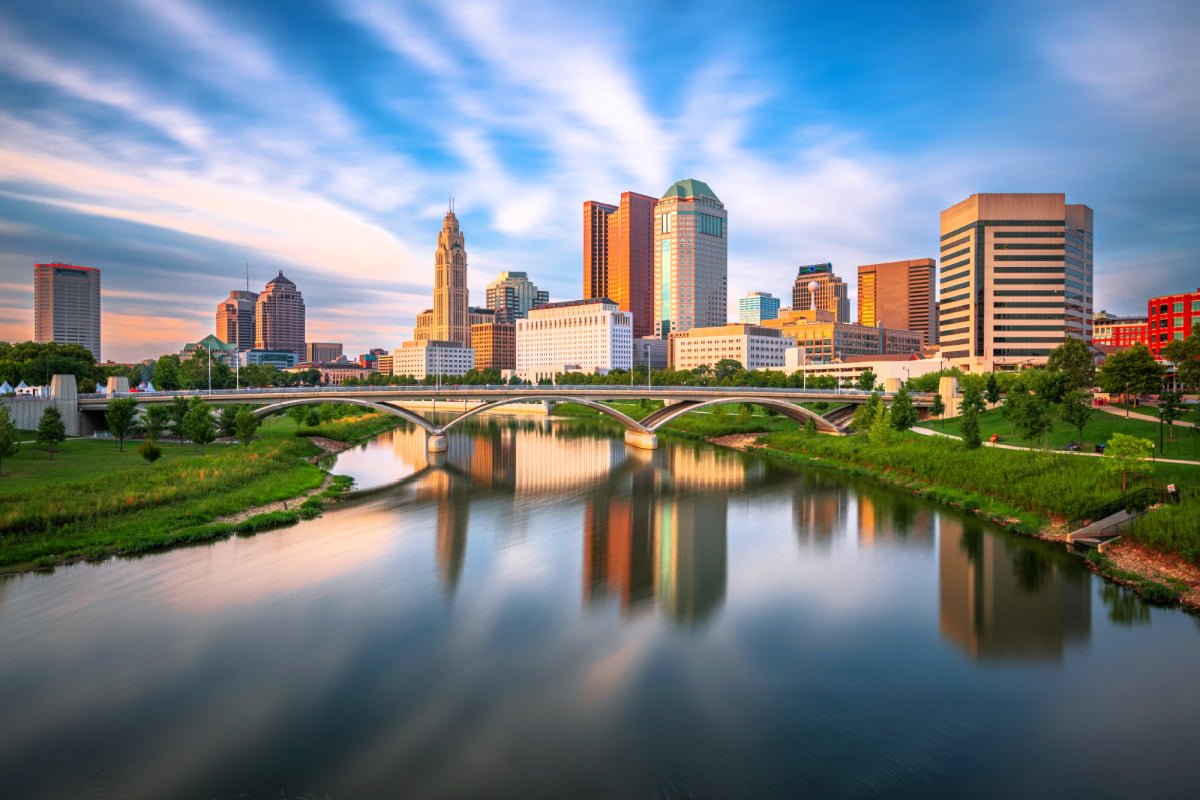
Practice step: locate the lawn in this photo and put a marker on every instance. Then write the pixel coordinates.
(1102, 426)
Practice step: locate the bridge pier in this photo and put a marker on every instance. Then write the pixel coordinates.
(435, 442)
(549, 406)
(644, 440)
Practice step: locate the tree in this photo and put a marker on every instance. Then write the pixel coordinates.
(1131, 370)
(166, 374)
(939, 407)
(864, 415)
(810, 427)
(155, 421)
(903, 415)
(51, 430)
(881, 427)
(1076, 410)
(970, 407)
(227, 421)
(150, 451)
(866, 380)
(178, 412)
(1171, 408)
(1185, 354)
(245, 424)
(313, 418)
(992, 391)
(121, 417)
(198, 424)
(1046, 384)
(10, 439)
(1032, 418)
(1123, 454)
(1073, 358)
(726, 368)
(298, 414)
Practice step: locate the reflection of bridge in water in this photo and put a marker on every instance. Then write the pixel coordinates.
(679, 400)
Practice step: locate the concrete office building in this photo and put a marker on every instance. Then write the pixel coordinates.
(322, 352)
(66, 305)
(419, 359)
(590, 335)
(595, 249)
(511, 296)
(817, 289)
(279, 317)
(691, 259)
(1015, 279)
(757, 306)
(752, 346)
(495, 345)
(899, 294)
(825, 339)
(235, 319)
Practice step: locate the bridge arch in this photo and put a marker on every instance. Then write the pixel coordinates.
(668, 414)
(629, 422)
(383, 408)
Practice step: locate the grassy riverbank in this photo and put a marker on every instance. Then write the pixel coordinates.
(92, 501)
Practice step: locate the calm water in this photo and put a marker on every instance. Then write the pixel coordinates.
(551, 614)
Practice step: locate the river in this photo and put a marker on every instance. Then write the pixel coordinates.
(549, 613)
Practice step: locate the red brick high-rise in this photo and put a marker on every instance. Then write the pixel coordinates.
(618, 256)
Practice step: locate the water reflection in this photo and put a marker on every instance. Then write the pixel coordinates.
(1006, 598)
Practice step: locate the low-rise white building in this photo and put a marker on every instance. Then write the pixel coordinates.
(432, 357)
(752, 346)
(576, 336)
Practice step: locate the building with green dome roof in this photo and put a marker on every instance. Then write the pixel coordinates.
(691, 259)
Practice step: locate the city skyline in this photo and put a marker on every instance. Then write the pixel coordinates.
(170, 143)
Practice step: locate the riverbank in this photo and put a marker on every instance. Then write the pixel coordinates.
(124, 507)
(1158, 575)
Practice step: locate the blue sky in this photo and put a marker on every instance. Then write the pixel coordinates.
(172, 142)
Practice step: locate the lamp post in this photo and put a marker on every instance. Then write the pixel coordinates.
(209, 352)
(1161, 417)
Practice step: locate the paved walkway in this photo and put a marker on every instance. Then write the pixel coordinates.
(1120, 412)
(1090, 454)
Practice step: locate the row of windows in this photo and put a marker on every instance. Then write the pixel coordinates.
(957, 253)
(1031, 293)
(1032, 246)
(1049, 268)
(1028, 234)
(1029, 257)
(956, 243)
(1021, 339)
(1177, 307)
(1030, 282)
(947, 267)
(1021, 351)
(1002, 223)
(955, 298)
(1029, 316)
(1027, 328)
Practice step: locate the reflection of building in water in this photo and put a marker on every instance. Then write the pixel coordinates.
(643, 545)
(819, 507)
(618, 543)
(708, 468)
(690, 563)
(1003, 599)
(554, 460)
(892, 518)
(453, 497)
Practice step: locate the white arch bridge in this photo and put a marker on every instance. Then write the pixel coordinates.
(640, 433)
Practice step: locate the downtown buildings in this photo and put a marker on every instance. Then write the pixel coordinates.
(816, 288)
(899, 294)
(618, 262)
(1015, 278)
(757, 306)
(236, 319)
(691, 259)
(591, 335)
(66, 305)
(279, 318)
(511, 296)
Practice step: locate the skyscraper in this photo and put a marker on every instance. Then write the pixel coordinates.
(691, 259)
(899, 294)
(512, 295)
(1016, 277)
(618, 260)
(66, 305)
(279, 317)
(595, 249)
(818, 289)
(235, 319)
(450, 321)
(757, 306)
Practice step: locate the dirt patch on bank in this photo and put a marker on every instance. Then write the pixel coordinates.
(737, 441)
(1162, 567)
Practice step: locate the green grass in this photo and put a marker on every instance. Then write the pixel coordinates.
(1102, 426)
(93, 502)
(1173, 528)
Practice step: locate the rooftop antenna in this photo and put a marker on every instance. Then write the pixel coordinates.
(451, 204)
(247, 276)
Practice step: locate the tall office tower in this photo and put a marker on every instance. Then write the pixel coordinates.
(1015, 278)
(66, 305)
(450, 322)
(691, 259)
(899, 294)
(595, 249)
(757, 306)
(235, 319)
(279, 322)
(512, 295)
(818, 289)
(618, 256)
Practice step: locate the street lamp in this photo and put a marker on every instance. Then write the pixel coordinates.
(1161, 416)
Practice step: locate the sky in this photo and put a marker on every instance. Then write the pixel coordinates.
(178, 144)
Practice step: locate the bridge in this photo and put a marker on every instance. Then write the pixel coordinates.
(640, 433)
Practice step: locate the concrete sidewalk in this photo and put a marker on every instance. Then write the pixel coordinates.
(1120, 412)
(1090, 454)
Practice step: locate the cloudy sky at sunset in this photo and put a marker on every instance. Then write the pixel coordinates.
(171, 143)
